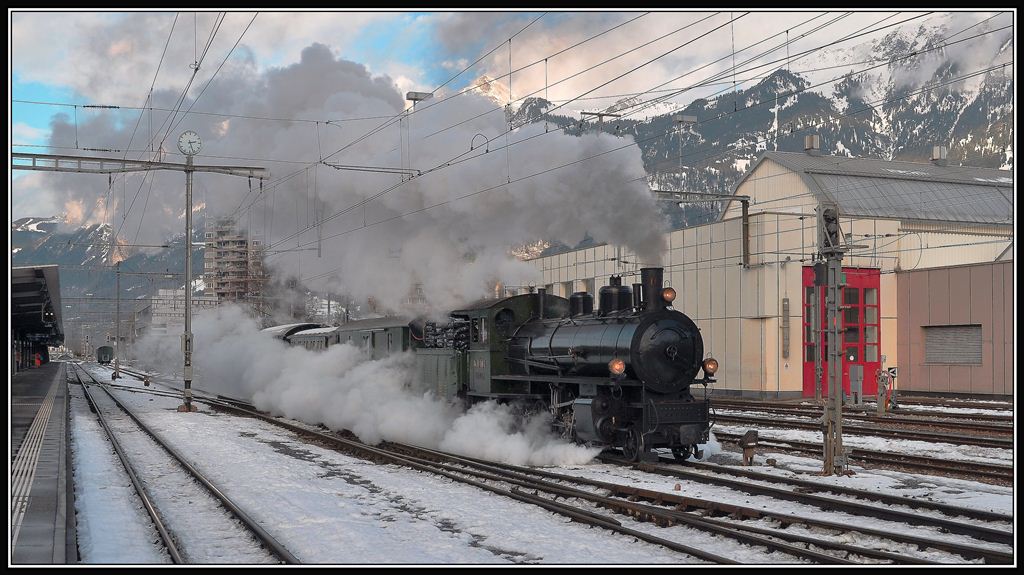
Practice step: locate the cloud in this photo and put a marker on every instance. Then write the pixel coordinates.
(105, 59)
(23, 133)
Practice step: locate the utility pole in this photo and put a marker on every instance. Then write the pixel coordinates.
(117, 323)
(186, 338)
(831, 248)
(600, 117)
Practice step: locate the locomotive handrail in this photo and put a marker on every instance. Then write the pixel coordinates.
(535, 364)
(551, 352)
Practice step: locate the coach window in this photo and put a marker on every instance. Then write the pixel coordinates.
(474, 328)
(389, 342)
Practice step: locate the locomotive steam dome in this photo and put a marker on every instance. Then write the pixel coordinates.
(667, 351)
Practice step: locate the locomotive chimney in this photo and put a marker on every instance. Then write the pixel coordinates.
(541, 297)
(638, 301)
(652, 279)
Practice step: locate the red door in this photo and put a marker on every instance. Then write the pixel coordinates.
(860, 329)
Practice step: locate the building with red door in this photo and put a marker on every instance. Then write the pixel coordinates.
(744, 278)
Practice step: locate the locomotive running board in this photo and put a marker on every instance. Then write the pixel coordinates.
(578, 379)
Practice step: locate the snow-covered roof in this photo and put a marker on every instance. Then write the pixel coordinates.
(315, 331)
(282, 331)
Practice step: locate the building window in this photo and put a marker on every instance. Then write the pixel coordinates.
(952, 344)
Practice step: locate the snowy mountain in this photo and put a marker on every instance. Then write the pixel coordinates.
(898, 109)
(85, 256)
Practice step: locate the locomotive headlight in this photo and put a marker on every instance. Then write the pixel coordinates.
(710, 366)
(668, 294)
(617, 366)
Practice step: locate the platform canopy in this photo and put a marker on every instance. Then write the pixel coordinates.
(35, 304)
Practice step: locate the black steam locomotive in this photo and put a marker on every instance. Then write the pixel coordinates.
(616, 376)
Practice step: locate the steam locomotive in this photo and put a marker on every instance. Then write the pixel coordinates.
(618, 376)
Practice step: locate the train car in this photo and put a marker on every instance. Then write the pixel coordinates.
(316, 338)
(378, 337)
(104, 354)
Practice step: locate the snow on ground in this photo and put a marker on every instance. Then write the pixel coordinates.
(112, 525)
(993, 455)
(925, 409)
(937, 489)
(329, 508)
(618, 474)
(205, 532)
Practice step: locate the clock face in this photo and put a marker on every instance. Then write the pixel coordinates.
(189, 143)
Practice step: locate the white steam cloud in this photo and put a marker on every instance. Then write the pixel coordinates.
(448, 230)
(339, 387)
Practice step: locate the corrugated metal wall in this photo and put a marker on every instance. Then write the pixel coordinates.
(974, 295)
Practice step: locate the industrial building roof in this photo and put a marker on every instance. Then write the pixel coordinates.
(36, 311)
(875, 188)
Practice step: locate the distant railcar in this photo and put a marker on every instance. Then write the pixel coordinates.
(105, 354)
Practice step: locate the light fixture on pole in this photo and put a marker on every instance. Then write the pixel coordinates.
(413, 97)
(683, 120)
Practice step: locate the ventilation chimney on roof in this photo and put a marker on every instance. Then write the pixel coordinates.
(812, 144)
(939, 155)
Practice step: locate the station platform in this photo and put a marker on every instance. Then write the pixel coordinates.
(42, 520)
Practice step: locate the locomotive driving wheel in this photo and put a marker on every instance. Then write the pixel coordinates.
(633, 444)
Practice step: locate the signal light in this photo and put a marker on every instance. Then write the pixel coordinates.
(710, 366)
(668, 294)
(617, 366)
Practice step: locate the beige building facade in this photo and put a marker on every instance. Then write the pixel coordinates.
(743, 280)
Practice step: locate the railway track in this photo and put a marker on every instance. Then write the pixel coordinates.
(667, 509)
(915, 463)
(981, 533)
(954, 421)
(997, 442)
(951, 402)
(206, 506)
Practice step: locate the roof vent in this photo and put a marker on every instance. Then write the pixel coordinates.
(939, 155)
(812, 144)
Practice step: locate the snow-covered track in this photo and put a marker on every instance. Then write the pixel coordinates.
(951, 438)
(257, 543)
(914, 463)
(998, 424)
